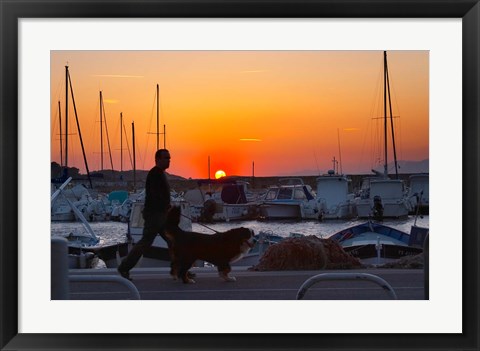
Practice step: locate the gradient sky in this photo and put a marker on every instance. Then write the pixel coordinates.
(289, 112)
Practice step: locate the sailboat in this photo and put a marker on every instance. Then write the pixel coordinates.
(380, 196)
(60, 208)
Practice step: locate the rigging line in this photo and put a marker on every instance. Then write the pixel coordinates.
(108, 139)
(94, 136)
(203, 225)
(369, 124)
(162, 113)
(316, 160)
(60, 127)
(391, 125)
(398, 131)
(128, 146)
(148, 132)
(339, 151)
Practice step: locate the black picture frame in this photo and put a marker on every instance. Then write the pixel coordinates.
(12, 11)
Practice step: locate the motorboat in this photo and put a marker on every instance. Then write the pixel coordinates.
(92, 206)
(418, 193)
(375, 243)
(333, 198)
(382, 198)
(223, 200)
(291, 200)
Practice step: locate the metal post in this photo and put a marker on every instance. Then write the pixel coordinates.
(426, 268)
(132, 289)
(59, 269)
(346, 276)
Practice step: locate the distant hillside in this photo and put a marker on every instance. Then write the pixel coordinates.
(405, 167)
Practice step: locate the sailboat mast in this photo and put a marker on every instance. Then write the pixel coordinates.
(66, 118)
(134, 160)
(101, 132)
(391, 125)
(164, 136)
(158, 118)
(208, 167)
(121, 142)
(60, 125)
(79, 131)
(385, 167)
(339, 151)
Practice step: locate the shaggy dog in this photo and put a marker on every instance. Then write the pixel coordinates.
(220, 249)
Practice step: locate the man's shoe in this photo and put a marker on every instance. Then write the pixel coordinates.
(124, 274)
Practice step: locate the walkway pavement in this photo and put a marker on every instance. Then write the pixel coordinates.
(156, 284)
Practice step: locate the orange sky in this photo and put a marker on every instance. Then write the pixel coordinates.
(284, 110)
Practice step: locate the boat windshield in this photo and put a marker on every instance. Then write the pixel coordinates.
(271, 194)
(299, 194)
(285, 194)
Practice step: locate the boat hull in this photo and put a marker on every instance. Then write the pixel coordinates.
(280, 211)
(368, 253)
(378, 244)
(225, 213)
(342, 211)
(390, 209)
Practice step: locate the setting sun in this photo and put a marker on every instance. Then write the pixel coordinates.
(219, 174)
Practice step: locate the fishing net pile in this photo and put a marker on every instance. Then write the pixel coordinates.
(306, 253)
(407, 262)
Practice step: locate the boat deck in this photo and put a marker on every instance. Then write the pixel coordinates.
(156, 284)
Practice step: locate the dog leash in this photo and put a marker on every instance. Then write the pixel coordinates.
(203, 225)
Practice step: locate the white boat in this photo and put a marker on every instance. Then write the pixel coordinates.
(93, 207)
(375, 243)
(418, 193)
(229, 201)
(333, 198)
(291, 200)
(385, 198)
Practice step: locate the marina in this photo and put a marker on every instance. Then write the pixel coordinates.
(325, 216)
(111, 232)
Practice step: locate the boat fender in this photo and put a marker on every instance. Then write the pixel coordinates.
(208, 210)
(377, 208)
(253, 211)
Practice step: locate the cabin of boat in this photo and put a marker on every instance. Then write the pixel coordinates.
(289, 201)
(333, 197)
(386, 196)
(418, 193)
(226, 200)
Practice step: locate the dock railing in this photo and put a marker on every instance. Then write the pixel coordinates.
(60, 279)
(345, 276)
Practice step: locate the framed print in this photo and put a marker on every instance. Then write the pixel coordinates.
(33, 30)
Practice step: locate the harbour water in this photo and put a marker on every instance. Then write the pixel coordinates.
(110, 232)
